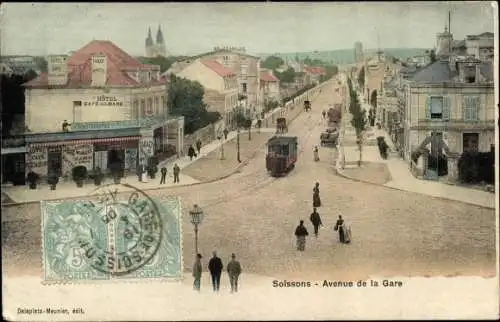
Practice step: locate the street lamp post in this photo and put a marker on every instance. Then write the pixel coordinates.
(196, 218)
(238, 145)
(221, 140)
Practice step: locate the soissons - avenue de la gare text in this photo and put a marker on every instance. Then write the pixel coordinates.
(327, 283)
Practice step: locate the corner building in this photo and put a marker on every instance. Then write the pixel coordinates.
(117, 108)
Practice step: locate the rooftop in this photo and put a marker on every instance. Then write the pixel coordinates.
(282, 140)
(440, 72)
(217, 67)
(80, 69)
(267, 77)
(315, 70)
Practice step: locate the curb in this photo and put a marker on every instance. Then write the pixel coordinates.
(342, 174)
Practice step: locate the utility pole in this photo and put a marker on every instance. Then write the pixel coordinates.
(238, 145)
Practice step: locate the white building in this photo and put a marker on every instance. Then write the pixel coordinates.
(269, 85)
(220, 83)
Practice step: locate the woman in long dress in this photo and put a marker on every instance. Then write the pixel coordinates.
(316, 198)
(316, 153)
(339, 226)
(301, 234)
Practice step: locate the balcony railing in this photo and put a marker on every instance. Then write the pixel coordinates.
(115, 125)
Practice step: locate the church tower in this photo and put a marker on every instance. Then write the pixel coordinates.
(160, 44)
(150, 50)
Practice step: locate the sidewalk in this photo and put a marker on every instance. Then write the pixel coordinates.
(68, 189)
(401, 177)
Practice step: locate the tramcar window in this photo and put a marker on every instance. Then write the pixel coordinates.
(285, 150)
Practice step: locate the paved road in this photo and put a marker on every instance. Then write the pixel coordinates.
(255, 216)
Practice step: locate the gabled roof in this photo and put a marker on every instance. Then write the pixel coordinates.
(217, 67)
(80, 67)
(267, 77)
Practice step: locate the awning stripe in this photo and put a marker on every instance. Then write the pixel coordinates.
(89, 141)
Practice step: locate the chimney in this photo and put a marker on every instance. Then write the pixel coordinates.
(57, 69)
(99, 70)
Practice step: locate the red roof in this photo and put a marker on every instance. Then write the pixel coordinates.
(315, 70)
(80, 69)
(217, 67)
(267, 77)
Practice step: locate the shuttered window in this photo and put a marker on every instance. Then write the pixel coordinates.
(470, 108)
(437, 108)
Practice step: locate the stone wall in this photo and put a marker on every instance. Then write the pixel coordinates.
(206, 135)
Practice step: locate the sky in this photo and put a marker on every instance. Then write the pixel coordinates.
(192, 28)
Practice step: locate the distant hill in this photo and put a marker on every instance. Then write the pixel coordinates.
(346, 56)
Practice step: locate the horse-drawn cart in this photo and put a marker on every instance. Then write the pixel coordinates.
(281, 126)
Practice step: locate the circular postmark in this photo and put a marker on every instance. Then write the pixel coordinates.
(125, 231)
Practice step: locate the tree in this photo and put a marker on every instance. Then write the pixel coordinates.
(361, 77)
(358, 120)
(272, 62)
(243, 121)
(288, 76)
(185, 98)
(41, 63)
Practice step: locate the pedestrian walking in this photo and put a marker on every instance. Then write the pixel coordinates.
(316, 221)
(176, 171)
(316, 198)
(163, 175)
(234, 271)
(140, 170)
(198, 146)
(215, 267)
(191, 152)
(301, 234)
(316, 154)
(144, 176)
(344, 231)
(324, 114)
(197, 268)
(226, 132)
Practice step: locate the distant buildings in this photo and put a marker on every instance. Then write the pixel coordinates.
(315, 74)
(117, 108)
(158, 48)
(220, 83)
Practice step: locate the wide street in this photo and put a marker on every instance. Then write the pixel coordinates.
(254, 215)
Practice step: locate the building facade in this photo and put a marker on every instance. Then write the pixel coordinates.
(450, 108)
(220, 83)
(116, 108)
(158, 48)
(269, 86)
(247, 70)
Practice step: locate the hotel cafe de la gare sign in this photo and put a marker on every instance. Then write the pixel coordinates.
(103, 100)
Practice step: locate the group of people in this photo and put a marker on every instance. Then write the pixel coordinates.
(143, 174)
(301, 232)
(192, 152)
(215, 268)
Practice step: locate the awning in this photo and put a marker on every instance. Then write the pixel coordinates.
(90, 141)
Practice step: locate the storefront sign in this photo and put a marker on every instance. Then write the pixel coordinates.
(108, 146)
(37, 159)
(104, 100)
(75, 155)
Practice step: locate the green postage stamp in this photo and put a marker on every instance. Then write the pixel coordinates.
(119, 233)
